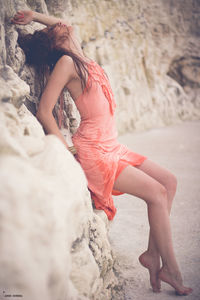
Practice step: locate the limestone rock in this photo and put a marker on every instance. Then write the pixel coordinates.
(45, 204)
(12, 87)
(53, 246)
(138, 43)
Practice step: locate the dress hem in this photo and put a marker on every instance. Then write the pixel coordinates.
(116, 192)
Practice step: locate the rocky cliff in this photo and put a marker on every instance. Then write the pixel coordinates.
(150, 51)
(53, 244)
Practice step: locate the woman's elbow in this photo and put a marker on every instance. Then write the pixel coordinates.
(42, 115)
(39, 115)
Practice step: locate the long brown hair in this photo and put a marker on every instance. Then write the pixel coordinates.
(41, 52)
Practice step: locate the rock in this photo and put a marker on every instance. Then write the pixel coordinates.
(48, 247)
(12, 87)
(136, 43)
(186, 71)
(53, 246)
(136, 49)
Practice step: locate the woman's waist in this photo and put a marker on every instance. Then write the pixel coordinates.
(93, 132)
(97, 140)
(94, 140)
(94, 137)
(93, 150)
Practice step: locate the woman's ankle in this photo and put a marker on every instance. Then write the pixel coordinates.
(152, 252)
(171, 269)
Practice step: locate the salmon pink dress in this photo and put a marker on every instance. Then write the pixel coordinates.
(101, 156)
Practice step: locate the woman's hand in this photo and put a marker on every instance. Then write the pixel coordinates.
(23, 17)
(73, 150)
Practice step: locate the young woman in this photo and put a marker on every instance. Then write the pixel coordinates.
(110, 167)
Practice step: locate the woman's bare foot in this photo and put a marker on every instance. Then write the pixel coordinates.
(152, 263)
(175, 280)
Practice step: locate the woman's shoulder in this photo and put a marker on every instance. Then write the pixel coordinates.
(65, 66)
(65, 60)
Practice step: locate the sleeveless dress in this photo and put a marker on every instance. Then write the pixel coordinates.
(101, 156)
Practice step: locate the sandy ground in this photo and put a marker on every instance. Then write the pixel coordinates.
(178, 149)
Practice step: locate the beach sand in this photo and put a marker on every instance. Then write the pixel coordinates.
(176, 148)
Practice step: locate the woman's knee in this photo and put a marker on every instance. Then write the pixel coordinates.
(159, 196)
(172, 184)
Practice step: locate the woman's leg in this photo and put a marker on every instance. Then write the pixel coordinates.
(136, 182)
(151, 258)
(163, 176)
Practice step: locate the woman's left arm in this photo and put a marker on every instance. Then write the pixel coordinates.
(63, 72)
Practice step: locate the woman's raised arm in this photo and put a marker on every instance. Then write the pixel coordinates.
(24, 17)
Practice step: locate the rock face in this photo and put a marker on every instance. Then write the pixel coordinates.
(53, 244)
(150, 51)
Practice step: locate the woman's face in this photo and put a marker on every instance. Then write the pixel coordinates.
(59, 31)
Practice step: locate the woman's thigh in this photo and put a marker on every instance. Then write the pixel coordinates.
(136, 182)
(160, 174)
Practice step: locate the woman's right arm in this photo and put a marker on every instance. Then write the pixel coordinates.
(24, 17)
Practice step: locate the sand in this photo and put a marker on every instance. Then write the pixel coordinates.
(178, 149)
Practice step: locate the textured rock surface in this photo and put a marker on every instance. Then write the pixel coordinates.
(52, 244)
(142, 45)
(150, 51)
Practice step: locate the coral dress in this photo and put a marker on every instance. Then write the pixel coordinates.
(101, 156)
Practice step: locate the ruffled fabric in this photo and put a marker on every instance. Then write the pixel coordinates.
(97, 74)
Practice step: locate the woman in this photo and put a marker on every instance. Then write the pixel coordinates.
(110, 168)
